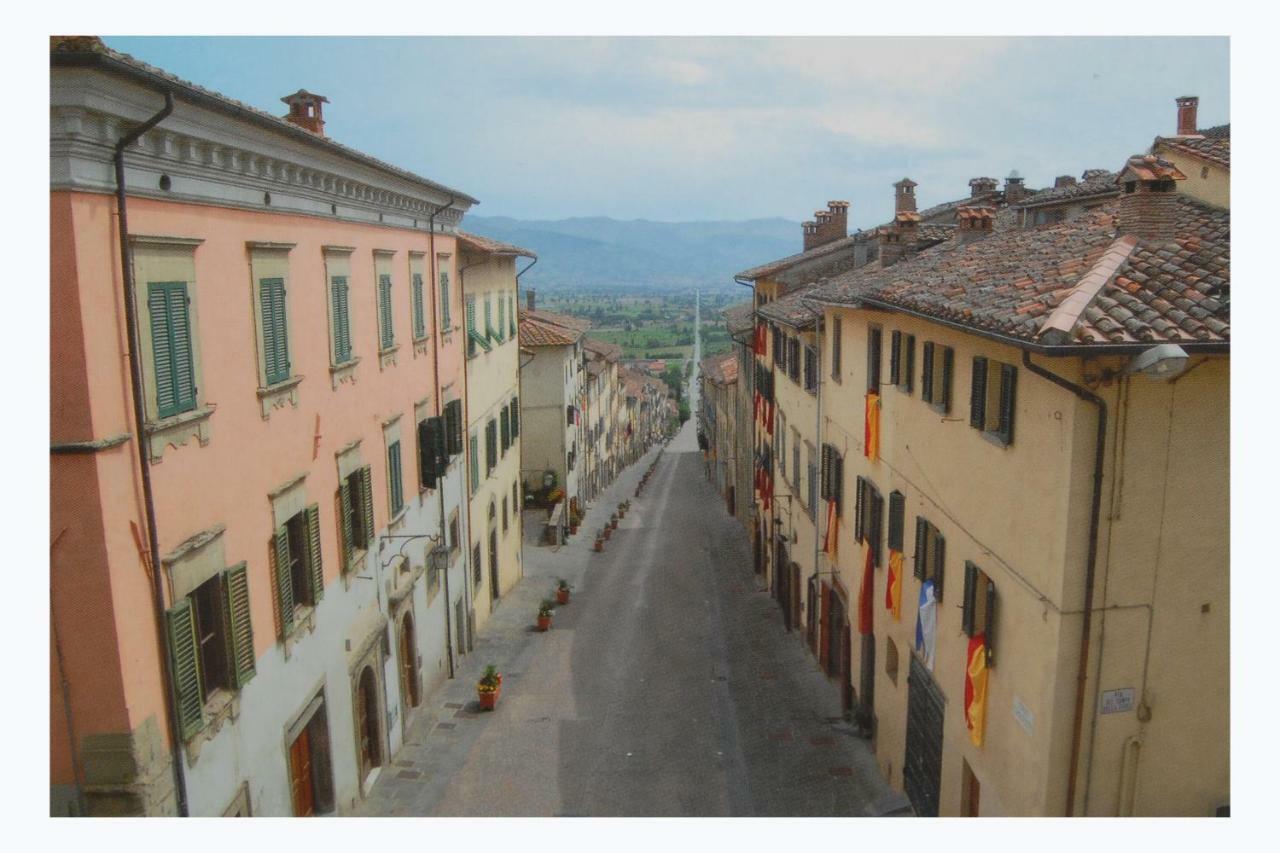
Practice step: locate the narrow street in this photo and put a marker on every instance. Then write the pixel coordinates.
(667, 686)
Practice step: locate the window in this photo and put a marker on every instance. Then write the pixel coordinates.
(477, 570)
(504, 513)
(432, 460)
(474, 337)
(811, 499)
(833, 476)
(169, 309)
(475, 463)
(210, 644)
(298, 572)
(274, 323)
(490, 446)
(897, 521)
(869, 521)
(891, 660)
(782, 444)
(455, 540)
(453, 427)
(340, 328)
(515, 419)
(511, 315)
(793, 358)
(386, 332)
(836, 344)
(504, 427)
(355, 502)
(568, 415)
(795, 457)
(902, 361)
(502, 316)
(419, 307)
(930, 555)
(979, 607)
(873, 359)
(779, 347)
(394, 478)
(515, 497)
(488, 318)
(935, 379)
(992, 398)
(810, 370)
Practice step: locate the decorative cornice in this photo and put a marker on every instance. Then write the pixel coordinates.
(90, 446)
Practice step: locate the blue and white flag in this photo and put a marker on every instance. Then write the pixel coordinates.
(926, 625)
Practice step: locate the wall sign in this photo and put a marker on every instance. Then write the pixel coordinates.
(1024, 716)
(1117, 701)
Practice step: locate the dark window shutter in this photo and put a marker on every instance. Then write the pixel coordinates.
(235, 587)
(366, 503)
(347, 510)
(271, 308)
(445, 319)
(341, 321)
(989, 629)
(978, 394)
(826, 472)
(922, 547)
(171, 346)
(185, 661)
(436, 449)
(453, 426)
(419, 314)
(515, 418)
(877, 527)
(837, 482)
(836, 343)
(426, 455)
(895, 360)
(873, 360)
(384, 311)
(504, 427)
(162, 350)
(314, 562)
(939, 555)
(284, 578)
(926, 375)
(948, 368)
(1008, 379)
(970, 591)
(897, 520)
(859, 496)
(909, 380)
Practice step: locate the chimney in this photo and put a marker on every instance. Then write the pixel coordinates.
(305, 111)
(974, 223)
(979, 187)
(1187, 105)
(531, 299)
(811, 238)
(1149, 203)
(1064, 181)
(838, 211)
(904, 199)
(1014, 191)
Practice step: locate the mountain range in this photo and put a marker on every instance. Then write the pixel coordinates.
(602, 253)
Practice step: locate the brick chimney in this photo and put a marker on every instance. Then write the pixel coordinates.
(1149, 203)
(838, 219)
(979, 187)
(1064, 181)
(1014, 191)
(811, 237)
(974, 223)
(305, 111)
(1187, 106)
(904, 199)
(531, 299)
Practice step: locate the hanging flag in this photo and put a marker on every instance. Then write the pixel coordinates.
(893, 587)
(975, 688)
(769, 408)
(831, 541)
(871, 440)
(926, 625)
(865, 594)
(755, 406)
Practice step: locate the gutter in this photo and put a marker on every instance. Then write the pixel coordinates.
(1100, 445)
(144, 464)
(435, 370)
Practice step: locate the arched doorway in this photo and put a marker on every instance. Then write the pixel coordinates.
(408, 663)
(493, 552)
(367, 722)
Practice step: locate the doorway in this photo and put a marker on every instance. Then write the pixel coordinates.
(922, 765)
(310, 768)
(409, 686)
(367, 723)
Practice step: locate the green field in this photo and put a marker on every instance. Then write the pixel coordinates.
(646, 325)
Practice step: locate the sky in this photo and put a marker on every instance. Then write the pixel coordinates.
(680, 129)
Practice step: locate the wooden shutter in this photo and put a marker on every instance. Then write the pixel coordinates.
(490, 445)
(504, 421)
(937, 563)
(395, 482)
(873, 359)
(275, 332)
(989, 629)
(366, 503)
(909, 368)
(161, 350)
(826, 472)
(436, 448)
(948, 368)
(515, 418)
(235, 590)
(475, 464)
(384, 311)
(419, 310)
(926, 375)
(185, 661)
(858, 501)
(502, 316)
(1008, 378)
(169, 308)
(837, 481)
(341, 320)
(922, 547)
(426, 456)
(877, 526)
(345, 509)
(895, 358)
(444, 301)
(968, 611)
(453, 426)
(314, 563)
(897, 520)
(284, 578)
(835, 349)
(978, 394)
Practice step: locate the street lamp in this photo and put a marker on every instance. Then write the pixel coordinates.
(1164, 361)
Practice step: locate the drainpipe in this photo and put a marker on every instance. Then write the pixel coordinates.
(435, 369)
(522, 272)
(1100, 445)
(144, 464)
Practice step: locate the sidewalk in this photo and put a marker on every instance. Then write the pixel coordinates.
(423, 767)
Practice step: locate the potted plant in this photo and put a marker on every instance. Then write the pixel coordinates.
(613, 521)
(489, 687)
(545, 611)
(562, 591)
(607, 531)
(599, 546)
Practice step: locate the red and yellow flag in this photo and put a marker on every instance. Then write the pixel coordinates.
(975, 688)
(893, 586)
(865, 593)
(871, 441)
(831, 542)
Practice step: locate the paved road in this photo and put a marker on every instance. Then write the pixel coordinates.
(668, 685)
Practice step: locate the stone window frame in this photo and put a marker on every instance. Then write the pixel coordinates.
(337, 263)
(384, 264)
(417, 266)
(391, 435)
(168, 258)
(271, 260)
(288, 500)
(349, 459)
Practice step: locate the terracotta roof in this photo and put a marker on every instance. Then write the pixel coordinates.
(484, 245)
(534, 333)
(792, 309)
(1150, 167)
(70, 51)
(1010, 283)
(739, 318)
(721, 369)
(564, 321)
(1096, 182)
(791, 260)
(610, 352)
(1213, 144)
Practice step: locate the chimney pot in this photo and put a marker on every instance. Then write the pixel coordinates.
(904, 198)
(1064, 181)
(1187, 106)
(979, 187)
(1014, 191)
(305, 110)
(1149, 203)
(974, 223)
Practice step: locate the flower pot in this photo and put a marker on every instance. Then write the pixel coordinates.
(573, 530)
(599, 544)
(544, 623)
(489, 698)
(562, 596)
(613, 524)
(608, 531)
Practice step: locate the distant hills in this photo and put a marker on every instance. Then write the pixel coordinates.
(602, 253)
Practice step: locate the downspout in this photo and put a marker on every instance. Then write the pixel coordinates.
(1100, 445)
(522, 272)
(144, 464)
(435, 369)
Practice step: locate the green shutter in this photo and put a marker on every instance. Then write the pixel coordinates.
(502, 316)
(419, 314)
(504, 425)
(384, 311)
(169, 308)
(235, 590)
(940, 549)
(978, 394)
(444, 301)
(275, 332)
(341, 320)
(989, 629)
(1008, 380)
(366, 501)
(488, 318)
(348, 528)
(314, 561)
(926, 376)
(393, 479)
(284, 578)
(185, 661)
(948, 368)
(922, 544)
(472, 335)
(511, 317)
(515, 418)
(475, 464)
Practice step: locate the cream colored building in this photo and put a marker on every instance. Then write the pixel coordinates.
(487, 277)
(600, 432)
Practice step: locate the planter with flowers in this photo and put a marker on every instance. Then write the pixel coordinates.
(489, 688)
(545, 611)
(562, 591)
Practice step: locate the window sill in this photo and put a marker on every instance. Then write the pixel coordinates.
(277, 395)
(422, 346)
(397, 517)
(994, 438)
(345, 372)
(304, 622)
(177, 430)
(387, 357)
(222, 705)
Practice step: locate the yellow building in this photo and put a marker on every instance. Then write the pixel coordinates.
(487, 276)
(1203, 155)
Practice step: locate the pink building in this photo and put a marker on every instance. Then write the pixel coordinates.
(254, 586)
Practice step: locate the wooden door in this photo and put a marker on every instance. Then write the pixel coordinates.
(493, 565)
(303, 794)
(408, 663)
